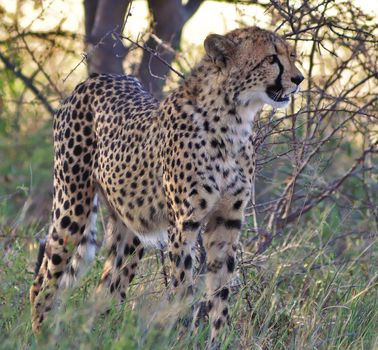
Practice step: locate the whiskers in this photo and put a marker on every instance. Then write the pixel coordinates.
(275, 95)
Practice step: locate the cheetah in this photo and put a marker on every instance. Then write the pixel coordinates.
(165, 170)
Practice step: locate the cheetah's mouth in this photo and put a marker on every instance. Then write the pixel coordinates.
(277, 95)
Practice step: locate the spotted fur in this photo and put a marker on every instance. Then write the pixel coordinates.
(164, 170)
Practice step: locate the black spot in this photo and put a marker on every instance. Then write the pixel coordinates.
(75, 169)
(87, 158)
(190, 225)
(74, 227)
(79, 210)
(223, 293)
(238, 204)
(73, 188)
(85, 175)
(230, 262)
(56, 259)
(208, 188)
(218, 323)
(177, 260)
(233, 224)
(175, 282)
(136, 241)
(131, 277)
(188, 262)
(64, 223)
(140, 201)
(58, 274)
(129, 216)
(203, 203)
(182, 276)
(87, 131)
(194, 192)
(118, 281)
(77, 150)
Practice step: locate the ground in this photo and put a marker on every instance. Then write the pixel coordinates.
(314, 288)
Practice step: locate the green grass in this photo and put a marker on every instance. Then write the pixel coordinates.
(314, 288)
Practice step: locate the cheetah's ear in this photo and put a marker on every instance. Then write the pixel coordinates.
(219, 49)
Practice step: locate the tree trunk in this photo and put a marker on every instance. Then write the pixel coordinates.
(105, 51)
(168, 19)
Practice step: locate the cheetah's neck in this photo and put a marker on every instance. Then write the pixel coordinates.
(227, 123)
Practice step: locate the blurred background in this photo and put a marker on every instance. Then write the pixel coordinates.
(309, 269)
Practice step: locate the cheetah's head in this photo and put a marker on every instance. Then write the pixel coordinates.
(257, 66)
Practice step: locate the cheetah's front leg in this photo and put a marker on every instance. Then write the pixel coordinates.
(182, 239)
(220, 242)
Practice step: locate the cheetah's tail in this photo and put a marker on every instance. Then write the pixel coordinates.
(85, 251)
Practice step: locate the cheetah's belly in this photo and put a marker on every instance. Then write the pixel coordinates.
(140, 205)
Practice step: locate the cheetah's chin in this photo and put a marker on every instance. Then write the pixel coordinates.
(281, 102)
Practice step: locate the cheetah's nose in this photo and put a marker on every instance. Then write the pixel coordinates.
(297, 79)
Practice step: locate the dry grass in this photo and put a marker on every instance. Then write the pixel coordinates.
(314, 288)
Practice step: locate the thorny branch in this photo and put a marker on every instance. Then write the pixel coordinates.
(339, 103)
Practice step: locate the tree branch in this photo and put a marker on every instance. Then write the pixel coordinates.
(331, 189)
(28, 82)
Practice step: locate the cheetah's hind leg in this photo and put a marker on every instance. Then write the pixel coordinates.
(73, 201)
(65, 255)
(85, 251)
(125, 252)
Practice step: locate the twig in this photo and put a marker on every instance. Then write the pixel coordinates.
(85, 55)
(153, 53)
(41, 69)
(307, 206)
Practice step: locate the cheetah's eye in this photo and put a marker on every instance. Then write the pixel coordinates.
(272, 59)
